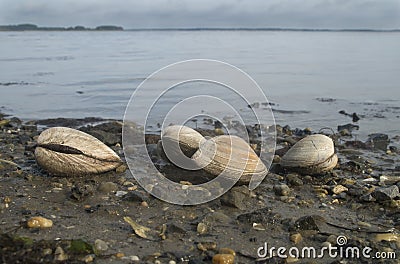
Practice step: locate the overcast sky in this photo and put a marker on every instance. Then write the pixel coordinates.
(377, 14)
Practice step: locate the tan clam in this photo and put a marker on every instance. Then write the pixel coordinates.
(187, 138)
(232, 154)
(311, 155)
(67, 151)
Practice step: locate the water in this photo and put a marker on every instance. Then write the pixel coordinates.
(79, 74)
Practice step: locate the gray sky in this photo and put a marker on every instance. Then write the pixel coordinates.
(377, 14)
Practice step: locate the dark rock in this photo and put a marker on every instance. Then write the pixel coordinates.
(310, 222)
(386, 193)
(294, 180)
(261, 216)
(349, 127)
(378, 141)
(238, 197)
(281, 190)
(135, 196)
(107, 187)
(355, 117)
(80, 192)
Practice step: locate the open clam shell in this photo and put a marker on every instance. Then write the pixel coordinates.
(231, 155)
(67, 151)
(313, 154)
(186, 138)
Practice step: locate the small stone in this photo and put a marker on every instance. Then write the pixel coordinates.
(390, 237)
(88, 258)
(294, 180)
(339, 189)
(107, 187)
(223, 259)
(227, 251)
(120, 193)
(332, 239)
(121, 168)
(59, 254)
(386, 193)
(296, 238)
(100, 245)
(202, 228)
(134, 258)
(310, 222)
(47, 251)
(282, 190)
(291, 259)
(144, 204)
(238, 196)
(172, 262)
(119, 255)
(39, 222)
(326, 244)
(205, 246)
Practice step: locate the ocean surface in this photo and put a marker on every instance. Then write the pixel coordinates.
(308, 77)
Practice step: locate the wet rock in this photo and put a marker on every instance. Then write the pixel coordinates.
(205, 246)
(59, 254)
(339, 189)
(281, 190)
(310, 222)
(296, 238)
(238, 197)
(349, 127)
(261, 216)
(100, 245)
(378, 141)
(107, 187)
(39, 222)
(294, 180)
(386, 193)
(202, 228)
(135, 196)
(80, 192)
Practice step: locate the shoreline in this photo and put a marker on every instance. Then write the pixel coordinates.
(358, 199)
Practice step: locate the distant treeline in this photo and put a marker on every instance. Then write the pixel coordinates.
(32, 27)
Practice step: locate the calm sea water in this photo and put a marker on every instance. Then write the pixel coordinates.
(80, 74)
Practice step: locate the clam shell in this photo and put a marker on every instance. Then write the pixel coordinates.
(232, 154)
(67, 151)
(188, 139)
(313, 154)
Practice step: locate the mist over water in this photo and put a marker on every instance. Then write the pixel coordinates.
(307, 76)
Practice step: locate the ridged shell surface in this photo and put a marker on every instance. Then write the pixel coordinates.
(67, 151)
(188, 139)
(312, 154)
(232, 154)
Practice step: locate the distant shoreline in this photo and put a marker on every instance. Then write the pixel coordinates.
(32, 27)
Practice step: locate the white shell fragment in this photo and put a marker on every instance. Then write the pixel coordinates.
(313, 154)
(67, 151)
(231, 155)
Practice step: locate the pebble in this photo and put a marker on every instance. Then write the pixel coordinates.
(339, 189)
(205, 246)
(100, 245)
(107, 187)
(202, 228)
(294, 180)
(386, 193)
(120, 193)
(281, 190)
(59, 254)
(39, 222)
(296, 238)
(121, 168)
(223, 259)
(88, 258)
(47, 251)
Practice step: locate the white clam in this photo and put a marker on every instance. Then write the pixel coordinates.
(67, 151)
(313, 154)
(231, 155)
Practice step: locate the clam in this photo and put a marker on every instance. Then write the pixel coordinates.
(231, 155)
(313, 154)
(185, 137)
(67, 151)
